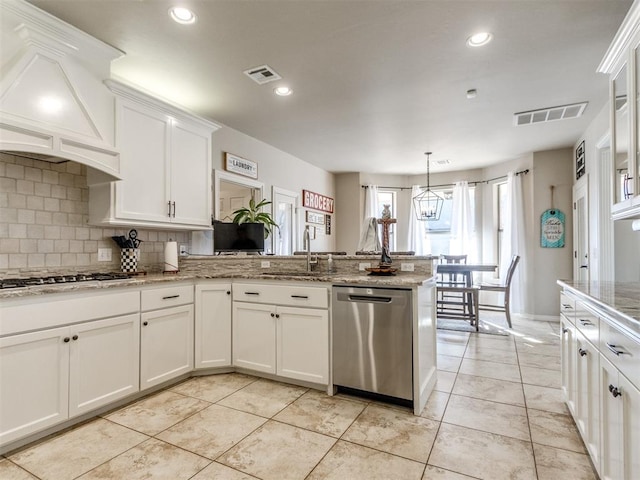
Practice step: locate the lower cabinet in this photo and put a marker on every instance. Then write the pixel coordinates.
(54, 374)
(254, 337)
(568, 362)
(213, 325)
(587, 399)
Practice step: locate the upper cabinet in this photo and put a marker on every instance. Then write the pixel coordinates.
(53, 101)
(622, 63)
(166, 167)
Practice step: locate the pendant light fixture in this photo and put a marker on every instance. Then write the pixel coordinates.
(428, 204)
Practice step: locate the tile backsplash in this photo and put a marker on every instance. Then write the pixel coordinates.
(43, 222)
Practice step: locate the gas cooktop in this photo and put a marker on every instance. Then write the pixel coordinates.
(58, 279)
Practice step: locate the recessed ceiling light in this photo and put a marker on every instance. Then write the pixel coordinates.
(182, 15)
(479, 39)
(283, 91)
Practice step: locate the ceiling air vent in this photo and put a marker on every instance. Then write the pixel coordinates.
(550, 114)
(262, 75)
(439, 163)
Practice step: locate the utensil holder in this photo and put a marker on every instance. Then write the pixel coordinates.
(129, 260)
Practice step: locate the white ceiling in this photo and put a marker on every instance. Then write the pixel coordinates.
(376, 82)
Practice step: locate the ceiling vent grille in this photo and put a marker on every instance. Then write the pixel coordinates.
(550, 114)
(263, 74)
(439, 163)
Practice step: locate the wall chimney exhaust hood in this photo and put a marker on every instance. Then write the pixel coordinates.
(53, 101)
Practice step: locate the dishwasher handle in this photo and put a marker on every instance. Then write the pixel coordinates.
(369, 299)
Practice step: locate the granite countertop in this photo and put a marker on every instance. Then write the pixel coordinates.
(403, 279)
(619, 300)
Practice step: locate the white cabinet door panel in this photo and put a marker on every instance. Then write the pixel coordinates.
(630, 428)
(34, 368)
(213, 326)
(611, 448)
(254, 337)
(568, 358)
(588, 395)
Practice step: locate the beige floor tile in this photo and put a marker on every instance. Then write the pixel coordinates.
(355, 462)
(537, 349)
(77, 451)
(437, 473)
(153, 414)
(202, 433)
(547, 362)
(11, 471)
(217, 471)
(263, 397)
(451, 349)
(544, 398)
(491, 354)
(393, 431)
(482, 368)
(321, 413)
(491, 389)
(553, 463)
(278, 451)
(495, 342)
(448, 363)
(483, 455)
(445, 381)
(507, 420)
(213, 388)
(540, 376)
(449, 336)
(152, 459)
(434, 409)
(555, 430)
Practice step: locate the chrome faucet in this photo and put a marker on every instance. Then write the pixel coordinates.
(306, 244)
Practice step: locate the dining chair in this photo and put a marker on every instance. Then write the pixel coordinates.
(455, 299)
(504, 288)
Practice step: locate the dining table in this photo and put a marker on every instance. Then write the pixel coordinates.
(465, 269)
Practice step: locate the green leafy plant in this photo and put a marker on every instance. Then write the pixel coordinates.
(254, 214)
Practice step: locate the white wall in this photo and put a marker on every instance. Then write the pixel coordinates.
(278, 169)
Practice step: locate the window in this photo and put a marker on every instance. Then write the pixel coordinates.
(501, 212)
(387, 197)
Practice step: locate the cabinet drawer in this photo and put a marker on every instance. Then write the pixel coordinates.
(567, 306)
(587, 322)
(166, 297)
(621, 350)
(289, 295)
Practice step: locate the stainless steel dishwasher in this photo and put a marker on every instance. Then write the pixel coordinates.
(372, 340)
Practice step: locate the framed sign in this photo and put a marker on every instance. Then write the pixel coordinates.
(552, 229)
(317, 201)
(327, 224)
(239, 165)
(580, 165)
(313, 217)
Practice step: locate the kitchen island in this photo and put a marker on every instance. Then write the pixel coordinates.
(156, 330)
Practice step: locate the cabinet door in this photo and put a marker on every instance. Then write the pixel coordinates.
(568, 366)
(34, 368)
(166, 345)
(104, 363)
(190, 175)
(630, 428)
(143, 141)
(254, 336)
(303, 344)
(213, 326)
(587, 403)
(611, 451)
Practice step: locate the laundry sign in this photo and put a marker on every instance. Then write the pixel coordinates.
(317, 201)
(552, 229)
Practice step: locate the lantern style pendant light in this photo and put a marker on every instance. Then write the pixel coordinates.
(428, 204)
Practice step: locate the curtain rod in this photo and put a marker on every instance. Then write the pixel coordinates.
(521, 172)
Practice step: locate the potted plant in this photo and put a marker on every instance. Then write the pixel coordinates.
(254, 214)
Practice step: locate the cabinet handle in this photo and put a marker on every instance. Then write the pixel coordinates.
(582, 352)
(75, 337)
(277, 315)
(169, 206)
(273, 315)
(174, 209)
(615, 391)
(66, 339)
(228, 292)
(170, 297)
(144, 324)
(565, 330)
(585, 322)
(614, 349)
(300, 296)
(252, 293)
(567, 306)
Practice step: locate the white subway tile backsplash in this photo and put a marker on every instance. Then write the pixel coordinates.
(33, 174)
(18, 260)
(35, 260)
(58, 191)
(53, 260)
(35, 231)
(51, 232)
(15, 171)
(26, 187)
(61, 246)
(60, 218)
(50, 176)
(8, 184)
(9, 245)
(17, 230)
(42, 189)
(44, 218)
(35, 203)
(4, 261)
(26, 216)
(9, 215)
(69, 206)
(52, 204)
(69, 259)
(28, 245)
(76, 246)
(67, 233)
(45, 246)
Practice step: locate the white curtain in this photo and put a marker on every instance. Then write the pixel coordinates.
(514, 240)
(417, 241)
(462, 239)
(369, 238)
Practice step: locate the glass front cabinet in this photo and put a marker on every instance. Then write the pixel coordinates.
(622, 64)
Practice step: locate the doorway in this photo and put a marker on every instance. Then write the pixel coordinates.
(581, 230)
(284, 208)
(232, 192)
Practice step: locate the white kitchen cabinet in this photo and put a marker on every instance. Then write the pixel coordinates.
(587, 401)
(51, 375)
(213, 325)
(166, 344)
(254, 336)
(568, 362)
(166, 167)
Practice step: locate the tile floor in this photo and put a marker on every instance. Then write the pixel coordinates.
(496, 413)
